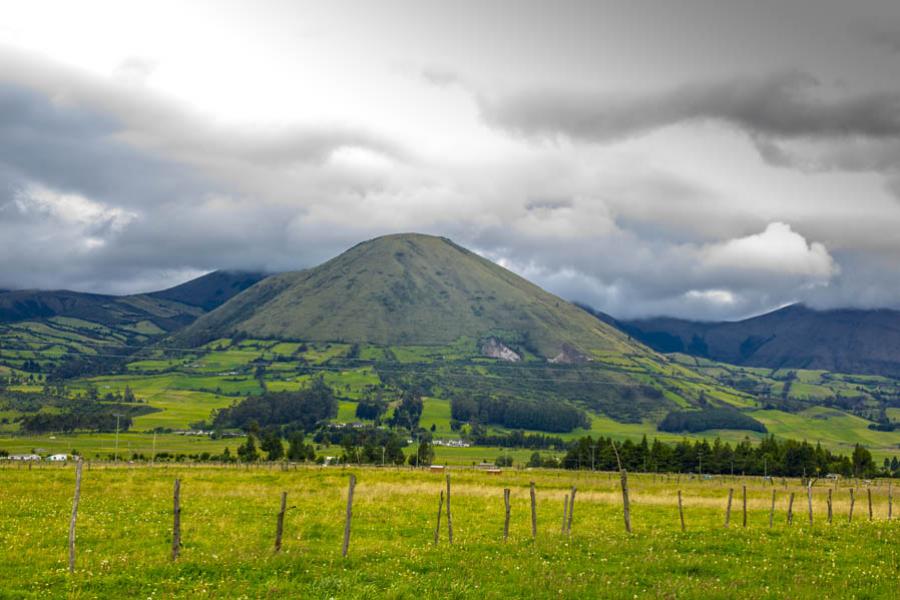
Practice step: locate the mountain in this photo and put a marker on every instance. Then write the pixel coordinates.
(210, 290)
(112, 311)
(412, 289)
(799, 337)
(169, 309)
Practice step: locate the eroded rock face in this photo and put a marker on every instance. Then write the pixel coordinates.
(569, 356)
(494, 348)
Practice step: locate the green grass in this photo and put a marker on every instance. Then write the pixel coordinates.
(228, 522)
(833, 428)
(346, 412)
(437, 412)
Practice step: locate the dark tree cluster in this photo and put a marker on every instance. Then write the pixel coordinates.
(520, 439)
(709, 418)
(69, 421)
(550, 415)
(303, 409)
(409, 411)
(770, 456)
(371, 408)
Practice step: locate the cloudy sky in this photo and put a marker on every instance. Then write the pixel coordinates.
(703, 159)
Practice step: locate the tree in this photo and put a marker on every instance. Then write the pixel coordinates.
(535, 460)
(297, 450)
(270, 443)
(504, 460)
(247, 451)
(863, 465)
(425, 454)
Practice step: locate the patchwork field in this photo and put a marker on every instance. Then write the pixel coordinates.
(124, 536)
(185, 385)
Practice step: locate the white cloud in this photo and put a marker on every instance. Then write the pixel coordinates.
(778, 251)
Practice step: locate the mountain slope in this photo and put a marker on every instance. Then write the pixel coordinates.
(169, 309)
(844, 340)
(210, 290)
(411, 289)
(114, 311)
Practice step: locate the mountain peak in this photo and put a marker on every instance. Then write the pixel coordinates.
(410, 289)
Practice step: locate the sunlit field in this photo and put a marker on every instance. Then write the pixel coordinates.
(124, 535)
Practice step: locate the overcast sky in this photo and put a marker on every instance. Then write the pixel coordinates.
(699, 159)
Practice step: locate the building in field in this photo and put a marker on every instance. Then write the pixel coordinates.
(58, 457)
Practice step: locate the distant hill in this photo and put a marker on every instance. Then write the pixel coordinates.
(411, 289)
(113, 311)
(210, 290)
(844, 340)
(169, 309)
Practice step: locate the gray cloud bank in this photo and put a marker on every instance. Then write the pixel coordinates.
(774, 110)
(106, 187)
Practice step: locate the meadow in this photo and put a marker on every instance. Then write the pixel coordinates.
(124, 536)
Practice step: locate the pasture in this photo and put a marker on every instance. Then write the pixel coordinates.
(124, 536)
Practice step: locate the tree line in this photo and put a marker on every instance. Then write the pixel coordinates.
(789, 458)
(550, 415)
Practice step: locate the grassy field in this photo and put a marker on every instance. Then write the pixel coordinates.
(185, 386)
(228, 523)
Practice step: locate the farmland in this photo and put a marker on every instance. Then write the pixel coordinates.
(184, 386)
(228, 522)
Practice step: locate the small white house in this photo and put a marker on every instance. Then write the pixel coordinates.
(58, 457)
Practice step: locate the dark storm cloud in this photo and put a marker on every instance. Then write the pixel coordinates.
(73, 149)
(791, 104)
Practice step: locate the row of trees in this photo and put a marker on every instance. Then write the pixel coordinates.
(709, 418)
(363, 446)
(303, 409)
(70, 421)
(550, 415)
(769, 457)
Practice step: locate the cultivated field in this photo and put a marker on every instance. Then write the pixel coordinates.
(124, 536)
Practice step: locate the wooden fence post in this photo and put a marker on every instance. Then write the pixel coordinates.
(680, 510)
(346, 546)
(571, 510)
(626, 504)
(809, 502)
(772, 509)
(437, 529)
(533, 512)
(506, 521)
(744, 501)
(279, 527)
(790, 514)
(829, 506)
(176, 522)
(890, 500)
(565, 513)
(852, 502)
(728, 507)
(869, 494)
(449, 516)
(74, 516)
